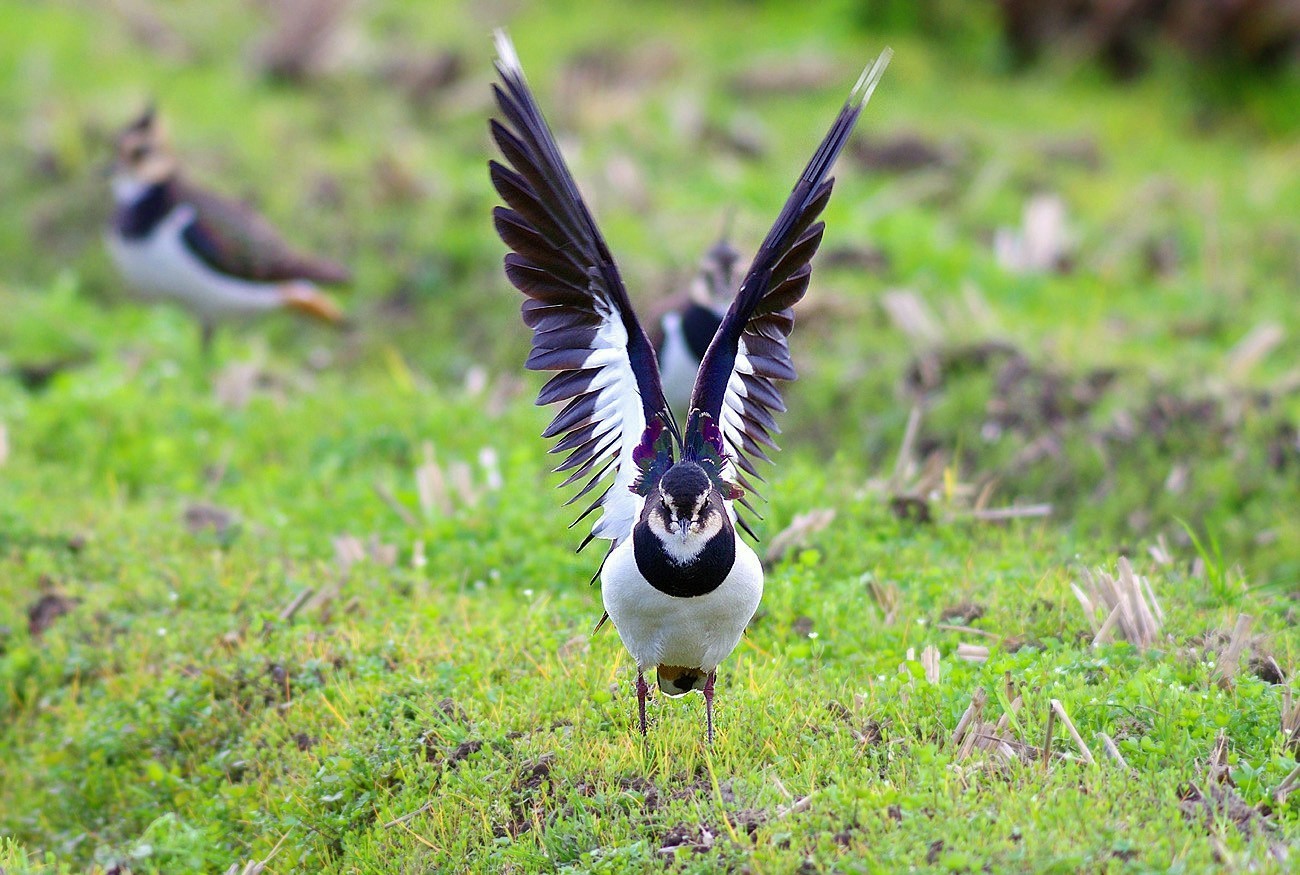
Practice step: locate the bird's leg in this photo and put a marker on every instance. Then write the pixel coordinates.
(641, 691)
(708, 702)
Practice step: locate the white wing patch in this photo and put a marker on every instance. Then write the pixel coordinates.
(619, 414)
(733, 407)
(582, 320)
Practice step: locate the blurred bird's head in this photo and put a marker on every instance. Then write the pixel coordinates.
(719, 276)
(144, 156)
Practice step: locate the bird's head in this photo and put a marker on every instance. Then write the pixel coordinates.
(719, 276)
(686, 502)
(144, 156)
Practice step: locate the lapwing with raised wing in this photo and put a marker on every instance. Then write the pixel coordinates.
(214, 256)
(678, 583)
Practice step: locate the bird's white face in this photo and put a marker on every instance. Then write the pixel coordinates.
(684, 524)
(719, 277)
(143, 158)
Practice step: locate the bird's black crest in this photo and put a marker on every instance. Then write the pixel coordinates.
(703, 445)
(145, 120)
(685, 481)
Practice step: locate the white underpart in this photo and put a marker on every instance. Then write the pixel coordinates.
(677, 365)
(161, 266)
(659, 629)
(127, 189)
(621, 418)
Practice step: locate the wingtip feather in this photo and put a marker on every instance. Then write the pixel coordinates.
(870, 78)
(507, 58)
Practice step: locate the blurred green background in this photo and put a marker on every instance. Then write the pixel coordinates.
(1065, 242)
(1138, 376)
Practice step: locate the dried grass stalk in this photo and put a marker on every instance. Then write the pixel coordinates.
(431, 485)
(798, 533)
(1000, 514)
(294, 606)
(1127, 601)
(972, 713)
(386, 496)
(1059, 710)
(1047, 735)
(1253, 349)
(1001, 740)
(906, 461)
(912, 316)
(1230, 660)
(1217, 767)
(1112, 750)
(1290, 720)
(1043, 241)
(968, 630)
(348, 551)
(1160, 552)
(800, 805)
(930, 662)
(1005, 720)
(887, 597)
(302, 38)
(1288, 785)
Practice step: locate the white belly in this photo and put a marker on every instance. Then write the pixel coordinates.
(677, 366)
(160, 266)
(659, 629)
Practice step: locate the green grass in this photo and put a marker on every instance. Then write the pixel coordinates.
(177, 719)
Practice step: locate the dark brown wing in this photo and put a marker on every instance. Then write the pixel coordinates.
(232, 238)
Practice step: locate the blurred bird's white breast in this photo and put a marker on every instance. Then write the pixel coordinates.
(677, 365)
(160, 265)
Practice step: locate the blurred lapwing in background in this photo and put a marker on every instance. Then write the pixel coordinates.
(682, 335)
(678, 583)
(213, 256)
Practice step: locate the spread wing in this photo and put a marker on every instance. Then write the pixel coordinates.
(582, 321)
(736, 384)
(234, 239)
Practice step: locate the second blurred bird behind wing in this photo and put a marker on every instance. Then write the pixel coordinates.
(682, 335)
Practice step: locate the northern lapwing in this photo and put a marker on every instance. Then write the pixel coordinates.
(214, 256)
(682, 334)
(678, 583)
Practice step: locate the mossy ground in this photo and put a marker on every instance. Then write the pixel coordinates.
(437, 703)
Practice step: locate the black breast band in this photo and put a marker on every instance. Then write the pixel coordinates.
(699, 324)
(139, 219)
(699, 577)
